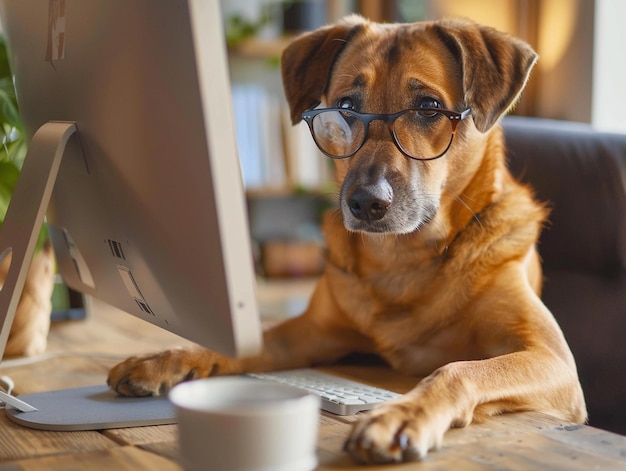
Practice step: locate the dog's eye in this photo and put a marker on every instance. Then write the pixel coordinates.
(428, 102)
(345, 103)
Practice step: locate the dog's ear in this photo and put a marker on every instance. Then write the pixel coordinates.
(495, 67)
(308, 61)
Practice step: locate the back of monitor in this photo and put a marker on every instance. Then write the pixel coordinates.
(148, 209)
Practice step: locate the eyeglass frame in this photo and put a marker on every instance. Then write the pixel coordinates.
(389, 119)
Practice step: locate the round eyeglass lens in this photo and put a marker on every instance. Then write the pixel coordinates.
(338, 133)
(423, 135)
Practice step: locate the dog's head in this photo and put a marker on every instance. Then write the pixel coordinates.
(396, 184)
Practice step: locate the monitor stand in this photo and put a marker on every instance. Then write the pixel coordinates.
(90, 408)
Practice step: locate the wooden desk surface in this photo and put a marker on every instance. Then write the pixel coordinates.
(516, 441)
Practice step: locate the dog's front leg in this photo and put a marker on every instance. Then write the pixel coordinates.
(320, 335)
(537, 375)
(407, 428)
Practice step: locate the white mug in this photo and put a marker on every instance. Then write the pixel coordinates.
(238, 423)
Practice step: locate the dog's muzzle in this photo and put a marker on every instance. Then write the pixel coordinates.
(380, 207)
(366, 206)
(370, 203)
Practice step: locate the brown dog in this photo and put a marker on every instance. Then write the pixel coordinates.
(431, 255)
(29, 331)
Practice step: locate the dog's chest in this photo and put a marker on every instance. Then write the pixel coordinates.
(408, 307)
(416, 329)
(380, 296)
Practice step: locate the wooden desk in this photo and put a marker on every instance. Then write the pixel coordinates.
(516, 441)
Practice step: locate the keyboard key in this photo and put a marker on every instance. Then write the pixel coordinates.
(338, 395)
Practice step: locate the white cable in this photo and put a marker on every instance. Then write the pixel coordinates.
(6, 384)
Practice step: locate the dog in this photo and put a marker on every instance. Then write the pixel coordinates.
(29, 331)
(431, 260)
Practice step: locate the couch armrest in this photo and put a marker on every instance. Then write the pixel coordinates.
(581, 173)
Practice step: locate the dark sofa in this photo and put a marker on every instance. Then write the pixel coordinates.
(582, 174)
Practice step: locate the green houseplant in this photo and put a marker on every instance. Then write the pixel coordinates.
(13, 143)
(32, 318)
(13, 147)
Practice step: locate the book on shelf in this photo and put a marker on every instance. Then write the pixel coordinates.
(273, 153)
(248, 108)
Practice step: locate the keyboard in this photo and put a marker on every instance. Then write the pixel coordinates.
(338, 395)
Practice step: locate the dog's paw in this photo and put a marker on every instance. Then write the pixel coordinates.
(396, 432)
(155, 374)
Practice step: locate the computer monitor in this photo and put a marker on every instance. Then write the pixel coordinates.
(129, 101)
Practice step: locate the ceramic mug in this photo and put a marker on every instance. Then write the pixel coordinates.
(239, 423)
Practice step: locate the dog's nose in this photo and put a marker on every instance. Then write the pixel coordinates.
(368, 207)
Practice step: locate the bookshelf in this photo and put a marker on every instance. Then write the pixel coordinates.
(277, 158)
(288, 180)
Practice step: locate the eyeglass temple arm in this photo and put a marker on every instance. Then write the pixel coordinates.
(318, 103)
(455, 120)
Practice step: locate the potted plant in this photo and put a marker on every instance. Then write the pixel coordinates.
(30, 327)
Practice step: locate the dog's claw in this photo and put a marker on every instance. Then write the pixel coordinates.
(386, 435)
(403, 441)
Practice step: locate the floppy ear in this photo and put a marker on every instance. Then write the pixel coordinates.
(308, 61)
(495, 67)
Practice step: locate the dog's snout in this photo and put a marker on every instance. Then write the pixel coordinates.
(367, 206)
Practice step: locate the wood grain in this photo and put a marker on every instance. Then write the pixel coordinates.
(127, 458)
(17, 442)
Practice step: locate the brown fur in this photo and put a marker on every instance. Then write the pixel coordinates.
(446, 285)
(29, 331)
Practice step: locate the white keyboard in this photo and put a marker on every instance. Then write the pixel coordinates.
(338, 395)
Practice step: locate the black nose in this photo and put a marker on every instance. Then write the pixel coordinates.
(368, 207)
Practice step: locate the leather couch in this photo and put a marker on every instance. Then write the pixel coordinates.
(581, 173)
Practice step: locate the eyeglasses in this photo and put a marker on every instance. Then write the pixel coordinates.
(421, 134)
